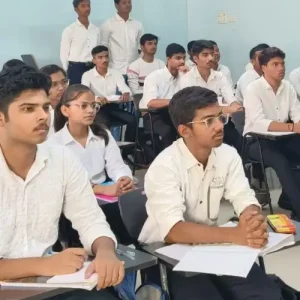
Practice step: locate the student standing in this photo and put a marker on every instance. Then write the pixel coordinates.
(252, 74)
(105, 82)
(77, 42)
(121, 35)
(143, 66)
(185, 185)
(59, 83)
(159, 88)
(271, 104)
(47, 181)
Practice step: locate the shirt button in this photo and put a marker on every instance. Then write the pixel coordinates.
(201, 202)
(199, 165)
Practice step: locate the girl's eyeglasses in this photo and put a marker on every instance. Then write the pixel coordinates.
(84, 106)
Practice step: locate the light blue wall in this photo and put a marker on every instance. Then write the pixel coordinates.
(35, 26)
(272, 21)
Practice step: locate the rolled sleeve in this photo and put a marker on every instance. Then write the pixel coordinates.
(237, 189)
(165, 200)
(122, 86)
(226, 90)
(294, 78)
(150, 91)
(80, 204)
(294, 105)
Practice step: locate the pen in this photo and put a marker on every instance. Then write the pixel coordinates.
(128, 254)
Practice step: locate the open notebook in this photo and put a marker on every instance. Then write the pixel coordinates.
(75, 281)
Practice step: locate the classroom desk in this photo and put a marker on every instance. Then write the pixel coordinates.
(142, 261)
(171, 263)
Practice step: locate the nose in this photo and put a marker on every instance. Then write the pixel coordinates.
(43, 115)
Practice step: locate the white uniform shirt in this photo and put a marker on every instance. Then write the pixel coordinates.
(95, 157)
(262, 106)
(216, 82)
(51, 123)
(159, 84)
(294, 78)
(244, 81)
(77, 43)
(189, 63)
(105, 86)
(179, 189)
(123, 41)
(226, 72)
(30, 209)
(139, 70)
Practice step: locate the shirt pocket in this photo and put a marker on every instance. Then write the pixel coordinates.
(215, 195)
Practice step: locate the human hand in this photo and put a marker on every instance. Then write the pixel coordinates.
(125, 97)
(114, 190)
(126, 184)
(101, 100)
(183, 69)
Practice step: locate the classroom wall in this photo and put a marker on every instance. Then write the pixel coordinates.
(35, 26)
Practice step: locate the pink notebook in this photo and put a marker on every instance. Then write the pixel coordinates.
(109, 199)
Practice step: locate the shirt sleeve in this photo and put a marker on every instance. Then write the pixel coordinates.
(184, 82)
(165, 201)
(255, 116)
(121, 84)
(228, 76)
(294, 79)
(140, 34)
(294, 105)
(115, 166)
(65, 46)
(85, 80)
(237, 189)
(105, 34)
(150, 91)
(133, 79)
(226, 90)
(80, 204)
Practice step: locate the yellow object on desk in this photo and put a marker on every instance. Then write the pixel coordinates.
(281, 224)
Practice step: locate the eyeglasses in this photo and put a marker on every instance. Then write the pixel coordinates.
(211, 122)
(83, 106)
(63, 83)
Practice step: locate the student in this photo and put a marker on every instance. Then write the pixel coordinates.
(121, 35)
(90, 142)
(105, 82)
(77, 42)
(143, 66)
(185, 185)
(38, 183)
(270, 103)
(12, 63)
(294, 79)
(59, 83)
(203, 75)
(159, 88)
(189, 60)
(219, 67)
(252, 74)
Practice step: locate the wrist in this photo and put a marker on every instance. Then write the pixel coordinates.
(41, 268)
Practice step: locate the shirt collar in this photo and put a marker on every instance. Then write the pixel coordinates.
(169, 75)
(118, 18)
(96, 74)
(191, 161)
(212, 75)
(67, 138)
(269, 88)
(80, 24)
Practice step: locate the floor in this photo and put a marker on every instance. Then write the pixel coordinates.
(286, 263)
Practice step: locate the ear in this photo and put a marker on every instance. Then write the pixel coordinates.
(252, 61)
(2, 119)
(263, 68)
(184, 131)
(195, 58)
(65, 111)
(94, 60)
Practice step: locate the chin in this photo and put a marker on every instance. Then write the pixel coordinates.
(217, 144)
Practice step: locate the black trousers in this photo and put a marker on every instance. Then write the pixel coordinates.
(257, 286)
(86, 295)
(162, 126)
(232, 137)
(76, 70)
(280, 155)
(111, 113)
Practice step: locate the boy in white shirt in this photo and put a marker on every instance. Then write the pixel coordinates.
(159, 88)
(185, 185)
(38, 182)
(77, 42)
(59, 83)
(143, 66)
(271, 104)
(104, 83)
(121, 35)
(252, 74)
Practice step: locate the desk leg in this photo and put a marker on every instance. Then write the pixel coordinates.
(262, 263)
(164, 280)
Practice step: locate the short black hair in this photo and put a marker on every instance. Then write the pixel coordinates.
(200, 45)
(99, 49)
(17, 80)
(173, 49)
(269, 53)
(52, 69)
(77, 2)
(190, 45)
(12, 63)
(117, 1)
(259, 47)
(185, 103)
(147, 37)
(214, 43)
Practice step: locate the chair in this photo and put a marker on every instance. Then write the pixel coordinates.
(263, 195)
(30, 61)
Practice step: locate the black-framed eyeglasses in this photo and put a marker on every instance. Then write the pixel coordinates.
(211, 121)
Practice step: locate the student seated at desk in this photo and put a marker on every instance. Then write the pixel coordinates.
(105, 82)
(270, 103)
(205, 76)
(59, 83)
(38, 182)
(159, 88)
(143, 66)
(90, 142)
(184, 187)
(252, 74)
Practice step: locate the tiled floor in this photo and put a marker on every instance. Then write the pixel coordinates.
(286, 263)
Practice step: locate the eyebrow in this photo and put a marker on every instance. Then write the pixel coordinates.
(34, 104)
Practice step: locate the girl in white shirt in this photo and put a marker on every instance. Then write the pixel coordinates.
(91, 143)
